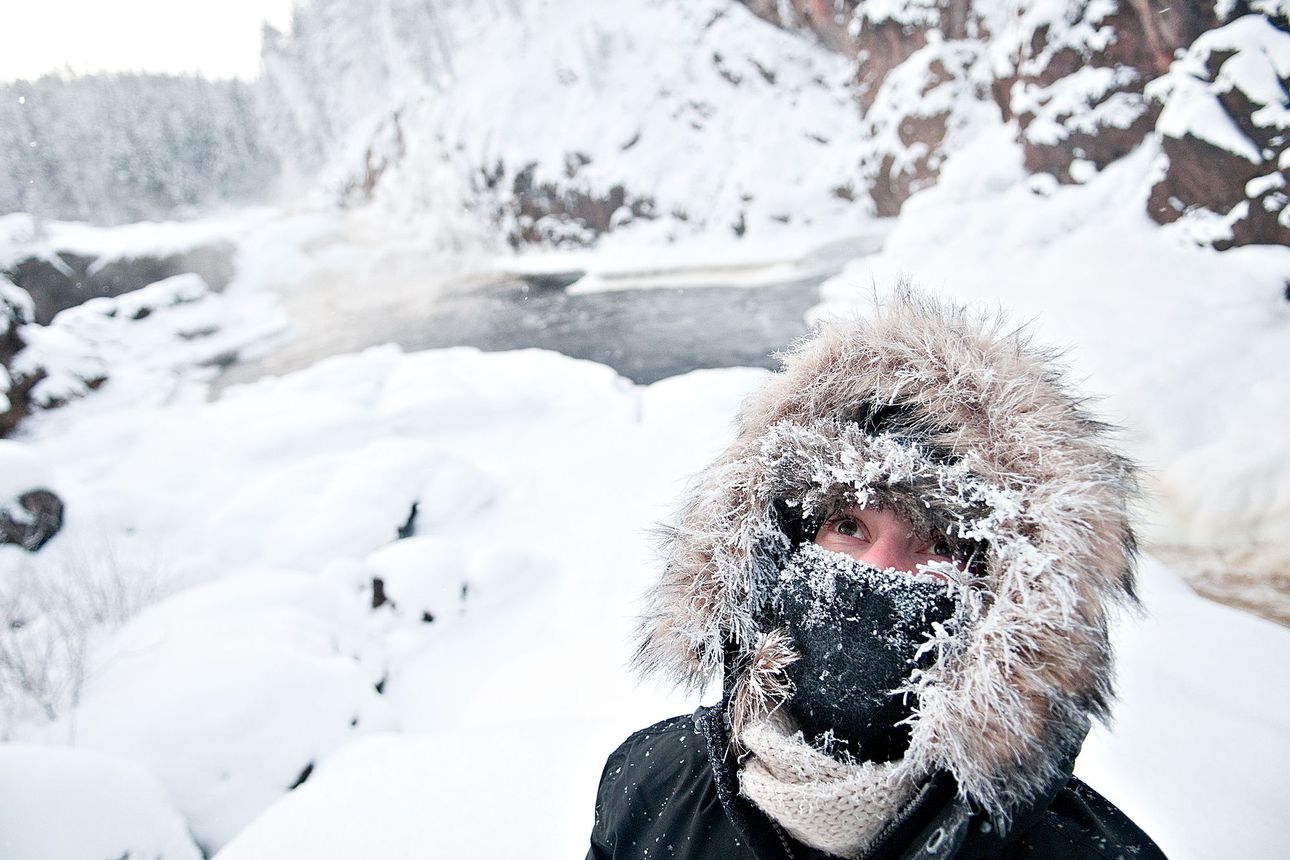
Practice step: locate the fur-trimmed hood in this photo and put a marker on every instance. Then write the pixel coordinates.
(966, 427)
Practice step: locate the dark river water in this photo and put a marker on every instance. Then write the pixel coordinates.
(644, 334)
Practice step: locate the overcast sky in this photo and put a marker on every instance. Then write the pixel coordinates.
(218, 38)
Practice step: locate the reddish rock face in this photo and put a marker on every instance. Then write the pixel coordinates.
(1244, 180)
(1141, 38)
(826, 19)
(892, 186)
(542, 212)
(1078, 87)
(879, 49)
(65, 280)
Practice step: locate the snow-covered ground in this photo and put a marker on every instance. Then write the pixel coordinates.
(201, 636)
(265, 516)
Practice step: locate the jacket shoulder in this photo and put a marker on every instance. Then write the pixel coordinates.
(1080, 823)
(657, 796)
(673, 730)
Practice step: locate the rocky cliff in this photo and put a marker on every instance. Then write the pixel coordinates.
(554, 122)
(1085, 82)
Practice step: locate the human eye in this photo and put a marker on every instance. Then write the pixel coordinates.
(846, 525)
(938, 547)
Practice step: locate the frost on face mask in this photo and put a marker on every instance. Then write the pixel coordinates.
(810, 473)
(859, 633)
(866, 640)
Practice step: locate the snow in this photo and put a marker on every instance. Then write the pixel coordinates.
(211, 592)
(267, 514)
(1100, 281)
(76, 805)
(1259, 62)
(1200, 735)
(690, 84)
(521, 794)
(22, 235)
(21, 470)
(228, 691)
(1064, 106)
(249, 673)
(1262, 184)
(16, 302)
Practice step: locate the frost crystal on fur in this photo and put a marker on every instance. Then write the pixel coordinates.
(969, 431)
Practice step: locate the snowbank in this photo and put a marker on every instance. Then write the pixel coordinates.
(76, 805)
(518, 793)
(270, 512)
(1197, 751)
(20, 471)
(230, 692)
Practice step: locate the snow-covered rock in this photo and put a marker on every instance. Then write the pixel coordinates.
(232, 692)
(141, 305)
(602, 117)
(78, 805)
(30, 511)
(22, 469)
(1224, 131)
(425, 578)
(1084, 84)
(147, 340)
(16, 310)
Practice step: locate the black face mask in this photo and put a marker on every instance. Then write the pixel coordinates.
(857, 630)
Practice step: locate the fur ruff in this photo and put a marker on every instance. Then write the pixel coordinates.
(987, 444)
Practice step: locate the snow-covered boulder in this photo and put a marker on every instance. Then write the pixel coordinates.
(454, 490)
(1224, 130)
(16, 310)
(424, 579)
(59, 278)
(233, 691)
(72, 804)
(30, 511)
(310, 510)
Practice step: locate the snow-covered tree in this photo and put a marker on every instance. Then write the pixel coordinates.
(125, 147)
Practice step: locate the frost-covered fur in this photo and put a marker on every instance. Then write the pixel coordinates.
(983, 441)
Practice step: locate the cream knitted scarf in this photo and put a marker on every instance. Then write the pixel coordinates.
(824, 803)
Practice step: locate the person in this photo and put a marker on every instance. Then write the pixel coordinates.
(903, 570)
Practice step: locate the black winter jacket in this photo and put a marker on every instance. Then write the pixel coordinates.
(671, 792)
